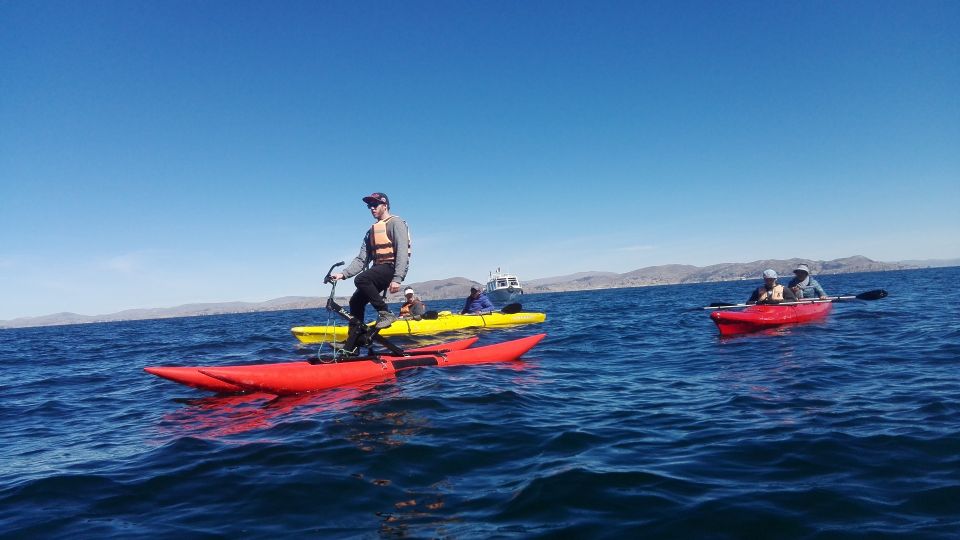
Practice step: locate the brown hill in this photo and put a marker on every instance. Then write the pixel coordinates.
(459, 287)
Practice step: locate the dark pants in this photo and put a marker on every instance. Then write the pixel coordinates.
(370, 284)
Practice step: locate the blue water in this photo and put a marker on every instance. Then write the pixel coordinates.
(632, 419)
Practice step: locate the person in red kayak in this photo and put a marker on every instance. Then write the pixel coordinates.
(771, 292)
(804, 286)
(386, 250)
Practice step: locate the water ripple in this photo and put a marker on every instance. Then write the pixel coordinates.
(632, 419)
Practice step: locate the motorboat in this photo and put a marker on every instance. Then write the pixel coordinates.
(503, 288)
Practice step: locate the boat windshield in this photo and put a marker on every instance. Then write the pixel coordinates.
(502, 281)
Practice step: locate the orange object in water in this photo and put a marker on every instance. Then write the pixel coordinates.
(191, 375)
(302, 377)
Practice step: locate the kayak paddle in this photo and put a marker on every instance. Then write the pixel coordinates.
(875, 294)
(510, 309)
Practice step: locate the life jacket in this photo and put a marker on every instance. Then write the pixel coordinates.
(405, 308)
(380, 243)
(776, 294)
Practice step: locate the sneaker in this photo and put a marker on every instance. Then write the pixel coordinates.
(385, 319)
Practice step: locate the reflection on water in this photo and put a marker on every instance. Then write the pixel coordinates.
(217, 417)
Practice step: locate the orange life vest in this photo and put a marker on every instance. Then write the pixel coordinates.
(380, 244)
(405, 308)
(776, 294)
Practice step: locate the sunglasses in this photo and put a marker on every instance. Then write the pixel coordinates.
(374, 205)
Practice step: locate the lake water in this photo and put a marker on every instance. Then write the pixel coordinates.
(632, 419)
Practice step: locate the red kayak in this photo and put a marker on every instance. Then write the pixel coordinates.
(191, 376)
(301, 377)
(760, 317)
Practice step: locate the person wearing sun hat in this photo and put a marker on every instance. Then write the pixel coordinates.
(381, 265)
(804, 286)
(771, 292)
(413, 307)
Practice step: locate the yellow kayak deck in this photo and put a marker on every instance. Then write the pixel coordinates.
(445, 322)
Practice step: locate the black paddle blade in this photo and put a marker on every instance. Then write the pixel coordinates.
(510, 309)
(872, 295)
(431, 315)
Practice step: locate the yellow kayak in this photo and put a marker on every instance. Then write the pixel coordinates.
(444, 322)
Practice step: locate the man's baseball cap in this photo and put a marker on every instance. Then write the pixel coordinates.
(408, 290)
(769, 273)
(377, 198)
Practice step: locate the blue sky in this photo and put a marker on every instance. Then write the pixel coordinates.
(160, 153)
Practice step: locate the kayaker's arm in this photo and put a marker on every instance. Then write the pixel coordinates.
(788, 296)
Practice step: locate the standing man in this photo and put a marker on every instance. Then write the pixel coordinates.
(386, 249)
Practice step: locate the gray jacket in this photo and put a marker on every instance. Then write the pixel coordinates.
(807, 288)
(399, 234)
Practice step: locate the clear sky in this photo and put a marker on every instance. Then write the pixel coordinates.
(167, 152)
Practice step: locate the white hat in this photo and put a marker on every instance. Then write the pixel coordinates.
(408, 290)
(802, 268)
(769, 273)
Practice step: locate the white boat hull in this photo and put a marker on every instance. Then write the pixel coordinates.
(504, 296)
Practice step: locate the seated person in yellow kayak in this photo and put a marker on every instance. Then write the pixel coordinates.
(771, 292)
(413, 307)
(805, 286)
(477, 302)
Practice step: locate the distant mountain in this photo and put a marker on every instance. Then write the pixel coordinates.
(587, 278)
(186, 310)
(681, 273)
(932, 263)
(459, 287)
(437, 289)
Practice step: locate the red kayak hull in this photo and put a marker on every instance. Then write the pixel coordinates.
(302, 377)
(756, 318)
(191, 375)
